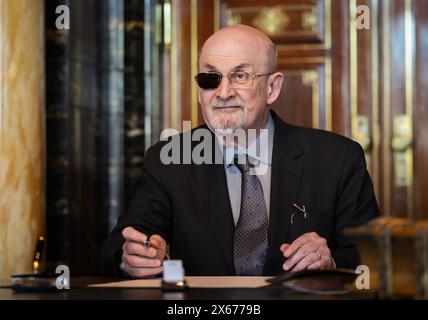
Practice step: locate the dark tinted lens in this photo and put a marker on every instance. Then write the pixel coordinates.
(208, 80)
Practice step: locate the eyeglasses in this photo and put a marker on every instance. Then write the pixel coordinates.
(238, 79)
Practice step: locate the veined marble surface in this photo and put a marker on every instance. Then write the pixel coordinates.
(21, 133)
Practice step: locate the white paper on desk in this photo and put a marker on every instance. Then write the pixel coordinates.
(193, 282)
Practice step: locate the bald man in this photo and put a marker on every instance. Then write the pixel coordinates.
(280, 209)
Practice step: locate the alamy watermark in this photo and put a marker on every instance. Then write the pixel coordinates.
(363, 280)
(63, 280)
(62, 22)
(198, 147)
(363, 17)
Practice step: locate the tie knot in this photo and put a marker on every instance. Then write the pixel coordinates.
(242, 163)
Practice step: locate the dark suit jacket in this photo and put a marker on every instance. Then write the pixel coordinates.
(188, 205)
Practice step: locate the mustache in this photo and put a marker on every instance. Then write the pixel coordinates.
(227, 103)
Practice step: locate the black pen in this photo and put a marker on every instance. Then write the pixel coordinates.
(146, 242)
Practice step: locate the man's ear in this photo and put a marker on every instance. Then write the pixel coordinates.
(274, 87)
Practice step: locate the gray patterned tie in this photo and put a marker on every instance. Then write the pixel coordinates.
(250, 241)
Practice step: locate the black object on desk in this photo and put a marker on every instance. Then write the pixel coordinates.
(34, 282)
(37, 281)
(334, 281)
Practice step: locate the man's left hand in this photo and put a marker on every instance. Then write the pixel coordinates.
(309, 251)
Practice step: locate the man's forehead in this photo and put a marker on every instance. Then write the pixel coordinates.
(234, 46)
(230, 60)
(239, 36)
(231, 46)
(226, 67)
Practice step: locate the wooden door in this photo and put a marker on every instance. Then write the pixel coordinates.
(369, 84)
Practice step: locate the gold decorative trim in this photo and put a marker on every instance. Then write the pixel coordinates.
(360, 127)
(327, 34)
(194, 61)
(232, 19)
(327, 25)
(328, 95)
(386, 117)
(317, 60)
(326, 61)
(167, 24)
(401, 142)
(409, 72)
(311, 78)
(217, 9)
(310, 20)
(248, 9)
(271, 20)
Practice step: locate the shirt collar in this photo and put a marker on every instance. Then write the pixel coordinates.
(264, 156)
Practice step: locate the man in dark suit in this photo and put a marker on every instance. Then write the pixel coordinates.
(224, 219)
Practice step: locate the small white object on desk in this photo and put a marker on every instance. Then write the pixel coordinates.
(173, 271)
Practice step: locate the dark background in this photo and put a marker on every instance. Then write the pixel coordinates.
(98, 122)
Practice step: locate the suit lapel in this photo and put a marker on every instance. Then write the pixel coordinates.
(213, 200)
(213, 197)
(286, 175)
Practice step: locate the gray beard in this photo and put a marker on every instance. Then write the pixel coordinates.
(229, 122)
(219, 122)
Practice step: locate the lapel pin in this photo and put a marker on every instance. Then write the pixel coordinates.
(299, 209)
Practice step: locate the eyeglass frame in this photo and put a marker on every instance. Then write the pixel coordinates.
(253, 77)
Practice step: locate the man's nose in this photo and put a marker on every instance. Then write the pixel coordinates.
(225, 90)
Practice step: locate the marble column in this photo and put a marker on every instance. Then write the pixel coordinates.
(22, 158)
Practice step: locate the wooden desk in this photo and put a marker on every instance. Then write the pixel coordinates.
(80, 291)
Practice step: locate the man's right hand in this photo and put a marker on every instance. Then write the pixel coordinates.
(140, 261)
